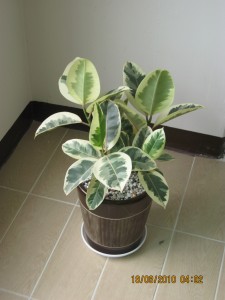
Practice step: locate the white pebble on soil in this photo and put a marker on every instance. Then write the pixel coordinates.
(132, 189)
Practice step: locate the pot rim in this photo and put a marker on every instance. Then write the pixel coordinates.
(114, 219)
(118, 202)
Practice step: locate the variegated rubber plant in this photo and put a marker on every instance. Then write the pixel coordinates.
(121, 139)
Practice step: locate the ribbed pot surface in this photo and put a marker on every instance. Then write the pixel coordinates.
(115, 227)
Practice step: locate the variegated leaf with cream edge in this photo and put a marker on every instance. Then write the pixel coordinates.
(77, 148)
(98, 128)
(155, 143)
(135, 119)
(165, 157)
(155, 92)
(141, 136)
(140, 160)
(176, 111)
(113, 170)
(95, 193)
(57, 120)
(155, 186)
(77, 173)
(83, 81)
(113, 125)
(63, 87)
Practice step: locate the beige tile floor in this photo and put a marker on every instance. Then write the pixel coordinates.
(42, 255)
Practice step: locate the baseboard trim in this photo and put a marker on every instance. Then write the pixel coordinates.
(178, 139)
(15, 133)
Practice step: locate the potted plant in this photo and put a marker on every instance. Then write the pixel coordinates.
(115, 171)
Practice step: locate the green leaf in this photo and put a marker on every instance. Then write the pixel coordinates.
(98, 128)
(82, 81)
(113, 170)
(113, 125)
(125, 138)
(77, 173)
(77, 149)
(155, 92)
(127, 127)
(155, 186)
(56, 120)
(95, 194)
(141, 136)
(176, 111)
(140, 160)
(132, 75)
(165, 157)
(120, 144)
(136, 120)
(155, 143)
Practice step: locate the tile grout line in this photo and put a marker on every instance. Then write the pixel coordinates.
(174, 227)
(48, 161)
(32, 187)
(220, 275)
(12, 189)
(14, 293)
(51, 254)
(53, 199)
(187, 233)
(10, 225)
(99, 279)
(200, 236)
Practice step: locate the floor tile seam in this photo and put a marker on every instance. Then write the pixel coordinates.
(14, 293)
(52, 199)
(47, 162)
(200, 236)
(161, 227)
(13, 220)
(99, 279)
(220, 275)
(187, 233)
(13, 189)
(52, 253)
(184, 194)
(174, 227)
(30, 191)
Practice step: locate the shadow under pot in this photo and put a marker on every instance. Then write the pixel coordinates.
(115, 227)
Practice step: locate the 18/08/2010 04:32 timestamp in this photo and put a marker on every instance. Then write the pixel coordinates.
(196, 279)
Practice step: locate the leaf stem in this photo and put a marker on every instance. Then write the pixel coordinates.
(148, 119)
(87, 118)
(87, 124)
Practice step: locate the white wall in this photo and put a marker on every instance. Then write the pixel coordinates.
(14, 80)
(184, 36)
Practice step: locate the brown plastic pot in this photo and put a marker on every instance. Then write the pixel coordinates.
(115, 227)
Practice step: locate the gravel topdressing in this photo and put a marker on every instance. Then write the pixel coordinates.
(132, 189)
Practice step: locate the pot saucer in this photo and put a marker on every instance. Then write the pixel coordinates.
(85, 240)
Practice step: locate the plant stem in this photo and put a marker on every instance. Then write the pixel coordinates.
(86, 116)
(87, 124)
(148, 120)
